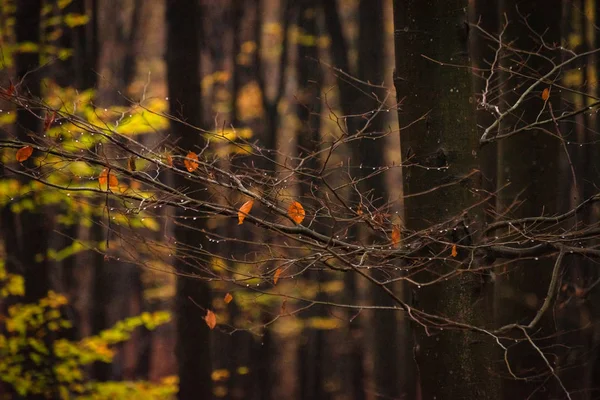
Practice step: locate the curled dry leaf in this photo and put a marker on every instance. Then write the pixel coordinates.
(49, 120)
(276, 275)
(191, 161)
(24, 153)
(227, 299)
(211, 319)
(296, 212)
(244, 210)
(10, 90)
(131, 164)
(169, 160)
(395, 235)
(545, 94)
(454, 251)
(106, 177)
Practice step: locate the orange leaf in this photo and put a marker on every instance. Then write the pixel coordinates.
(24, 153)
(189, 164)
(49, 120)
(296, 212)
(454, 251)
(244, 210)
(211, 319)
(106, 177)
(169, 160)
(131, 163)
(227, 299)
(276, 276)
(545, 94)
(395, 235)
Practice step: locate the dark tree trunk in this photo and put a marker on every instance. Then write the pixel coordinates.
(193, 347)
(530, 164)
(449, 364)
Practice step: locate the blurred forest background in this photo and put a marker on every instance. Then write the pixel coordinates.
(100, 299)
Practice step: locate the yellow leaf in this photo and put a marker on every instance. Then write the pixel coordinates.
(189, 162)
(276, 276)
(395, 235)
(211, 319)
(244, 210)
(106, 177)
(454, 251)
(296, 212)
(24, 153)
(227, 299)
(546, 94)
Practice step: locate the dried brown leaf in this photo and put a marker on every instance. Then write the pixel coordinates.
(211, 319)
(276, 275)
(131, 164)
(106, 177)
(545, 94)
(395, 235)
(190, 162)
(244, 210)
(24, 153)
(296, 212)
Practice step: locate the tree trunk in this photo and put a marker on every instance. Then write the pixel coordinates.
(441, 148)
(529, 173)
(183, 65)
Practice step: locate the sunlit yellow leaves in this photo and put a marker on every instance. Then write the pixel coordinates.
(454, 252)
(244, 210)
(107, 177)
(296, 212)
(249, 102)
(191, 161)
(220, 375)
(395, 235)
(227, 299)
(546, 94)
(211, 319)
(24, 153)
(72, 20)
(276, 275)
(131, 164)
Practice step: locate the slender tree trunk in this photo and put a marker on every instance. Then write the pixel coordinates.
(311, 351)
(183, 65)
(353, 368)
(439, 149)
(371, 69)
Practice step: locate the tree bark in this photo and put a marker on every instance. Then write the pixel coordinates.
(439, 149)
(193, 347)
